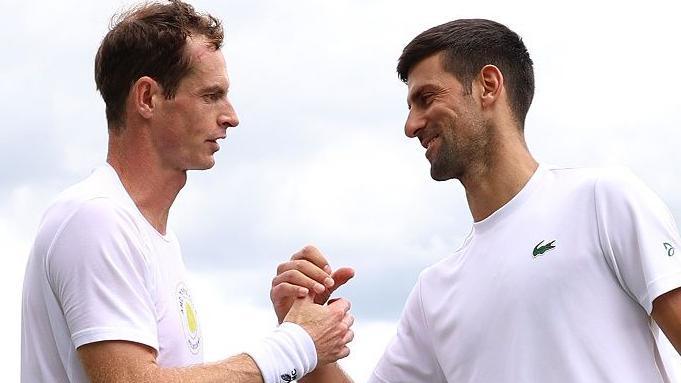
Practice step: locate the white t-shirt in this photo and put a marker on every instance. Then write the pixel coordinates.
(556, 286)
(99, 271)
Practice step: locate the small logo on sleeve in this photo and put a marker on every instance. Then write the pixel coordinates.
(541, 249)
(290, 377)
(670, 249)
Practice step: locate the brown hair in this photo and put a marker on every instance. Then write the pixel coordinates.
(149, 40)
(469, 45)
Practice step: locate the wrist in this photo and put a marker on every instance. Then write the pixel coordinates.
(287, 354)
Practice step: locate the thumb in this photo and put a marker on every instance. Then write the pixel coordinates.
(341, 276)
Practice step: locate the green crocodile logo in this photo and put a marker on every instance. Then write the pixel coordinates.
(541, 249)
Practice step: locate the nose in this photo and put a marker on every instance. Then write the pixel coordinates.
(414, 123)
(228, 117)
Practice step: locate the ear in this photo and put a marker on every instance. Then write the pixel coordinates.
(144, 93)
(492, 83)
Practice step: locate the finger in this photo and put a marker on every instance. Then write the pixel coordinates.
(309, 269)
(320, 299)
(312, 254)
(340, 304)
(286, 290)
(348, 320)
(295, 277)
(345, 351)
(349, 336)
(340, 277)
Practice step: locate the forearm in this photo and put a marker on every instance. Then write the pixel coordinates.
(237, 369)
(667, 314)
(330, 373)
(116, 368)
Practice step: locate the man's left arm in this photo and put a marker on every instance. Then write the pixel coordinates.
(642, 245)
(667, 315)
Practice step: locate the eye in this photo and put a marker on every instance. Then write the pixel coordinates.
(426, 98)
(213, 97)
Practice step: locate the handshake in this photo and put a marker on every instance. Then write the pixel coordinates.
(313, 332)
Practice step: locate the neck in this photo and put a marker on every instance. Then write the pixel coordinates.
(152, 187)
(495, 180)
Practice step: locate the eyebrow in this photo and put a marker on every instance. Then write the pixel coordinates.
(213, 89)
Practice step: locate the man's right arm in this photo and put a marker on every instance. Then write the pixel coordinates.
(123, 361)
(410, 355)
(330, 373)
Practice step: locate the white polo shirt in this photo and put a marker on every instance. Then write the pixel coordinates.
(556, 286)
(99, 271)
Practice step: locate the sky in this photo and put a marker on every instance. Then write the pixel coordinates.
(320, 156)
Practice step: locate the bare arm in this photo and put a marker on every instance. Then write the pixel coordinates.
(330, 373)
(667, 314)
(120, 361)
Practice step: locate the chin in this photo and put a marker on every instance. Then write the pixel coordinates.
(439, 173)
(440, 177)
(202, 165)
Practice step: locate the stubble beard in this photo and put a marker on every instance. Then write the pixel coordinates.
(459, 156)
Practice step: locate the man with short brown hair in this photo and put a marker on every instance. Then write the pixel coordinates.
(105, 294)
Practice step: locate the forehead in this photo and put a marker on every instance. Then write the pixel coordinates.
(207, 63)
(429, 71)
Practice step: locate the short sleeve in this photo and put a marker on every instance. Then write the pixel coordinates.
(97, 270)
(410, 355)
(638, 236)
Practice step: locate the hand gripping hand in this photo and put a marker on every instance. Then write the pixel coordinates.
(306, 273)
(329, 326)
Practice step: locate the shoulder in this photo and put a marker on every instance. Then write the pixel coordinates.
(589, 175)
(616, 174)
(96, 204)
(97, 234)
(598, 181)
(437, 275)
(619, 185)
(89, 223)
(84, 228)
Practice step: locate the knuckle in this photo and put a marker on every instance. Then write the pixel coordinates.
(347, 303)
(282, 267)
(338, 315)
(295, 255)
(276, 289)
(287, 274)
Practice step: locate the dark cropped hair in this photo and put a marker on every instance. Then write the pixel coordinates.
(469, 45)
(149, 40)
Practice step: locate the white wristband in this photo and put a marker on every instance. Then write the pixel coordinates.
(285, 355)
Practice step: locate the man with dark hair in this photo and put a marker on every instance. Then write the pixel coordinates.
(105, 294)
(565, 271)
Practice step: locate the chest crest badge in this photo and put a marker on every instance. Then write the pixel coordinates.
(188, 317)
